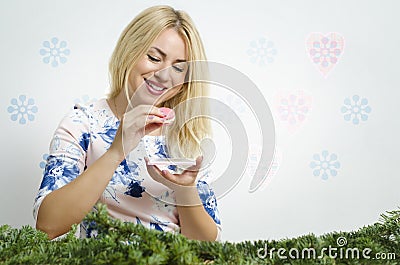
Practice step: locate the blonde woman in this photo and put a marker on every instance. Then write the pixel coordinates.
(88, 162)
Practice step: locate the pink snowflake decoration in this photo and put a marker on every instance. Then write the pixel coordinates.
(292, 108)
(325, 50)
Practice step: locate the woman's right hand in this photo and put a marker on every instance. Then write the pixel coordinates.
(135, 123)
(69, 204)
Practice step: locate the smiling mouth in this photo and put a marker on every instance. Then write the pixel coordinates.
(154, 88)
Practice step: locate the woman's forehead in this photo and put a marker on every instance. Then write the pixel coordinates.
(171, 45)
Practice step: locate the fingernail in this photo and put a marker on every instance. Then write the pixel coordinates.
(151, 117)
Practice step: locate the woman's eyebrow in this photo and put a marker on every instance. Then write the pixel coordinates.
(163, 54)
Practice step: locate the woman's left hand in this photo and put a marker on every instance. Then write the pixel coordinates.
(175, 181)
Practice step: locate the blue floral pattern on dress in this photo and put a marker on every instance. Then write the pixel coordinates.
(81, 138)
(161, 148)
(135, 189)
(108, 134)
(58, 172)
(111, 192)
(155, 226)
(125, 173)
(158, 224)
(209, 200)
(90, 228)
(84, 141)
(121, 173)
(160, 202)
(162, 151)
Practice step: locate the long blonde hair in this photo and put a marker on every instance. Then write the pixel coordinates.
(184, 136)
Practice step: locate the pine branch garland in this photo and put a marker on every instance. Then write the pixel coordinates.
(125, 243)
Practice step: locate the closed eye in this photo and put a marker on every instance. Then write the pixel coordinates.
(179, 67)
(154, 59)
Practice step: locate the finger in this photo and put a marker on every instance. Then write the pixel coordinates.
(151, 127)
(145, 114)
(163, 177)
(195, 168)
(152, 168)
(163, 112)
(154, 172)
(143, 111)
(170, 177)
(146, 125)
(152, 110)
(154, 119)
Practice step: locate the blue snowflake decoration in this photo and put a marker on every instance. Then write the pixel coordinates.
(356, 109)
(43, 163)
(22, 109)
(54, 52)
(262, 52)
(325, 165)
(84, 100)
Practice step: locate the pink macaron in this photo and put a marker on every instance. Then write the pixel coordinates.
(169, 115)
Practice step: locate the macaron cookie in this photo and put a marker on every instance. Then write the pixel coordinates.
(169, 115)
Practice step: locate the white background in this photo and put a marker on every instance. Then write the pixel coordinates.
(294, 201)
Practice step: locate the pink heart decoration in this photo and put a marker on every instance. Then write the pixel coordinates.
(325, 50)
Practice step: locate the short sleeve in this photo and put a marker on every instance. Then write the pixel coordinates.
(209, 201)
(67, 154)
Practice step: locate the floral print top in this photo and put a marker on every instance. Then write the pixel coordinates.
(82, 137)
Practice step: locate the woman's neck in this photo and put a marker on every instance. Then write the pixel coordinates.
(156, 132)
(118, 105)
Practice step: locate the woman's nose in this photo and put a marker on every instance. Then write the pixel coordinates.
(163, 75)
